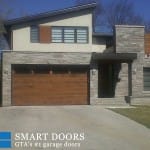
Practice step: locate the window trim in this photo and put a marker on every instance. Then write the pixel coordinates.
(52, 35)
(75, 28)
(87, 38)
(75, 34)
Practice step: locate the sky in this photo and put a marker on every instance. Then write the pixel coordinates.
(27, 7)
(142, 7)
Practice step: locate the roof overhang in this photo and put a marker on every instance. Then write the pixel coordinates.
(106, 35)
(74, 9)
(114, 56)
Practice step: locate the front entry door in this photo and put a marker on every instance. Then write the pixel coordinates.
(105, 80)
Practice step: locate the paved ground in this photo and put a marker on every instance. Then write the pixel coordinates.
(103, 129)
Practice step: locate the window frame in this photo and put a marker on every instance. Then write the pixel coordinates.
(38, 34)
(144, 86)
(87, 32)
(75, 28)
(74, 34)
(62, 34)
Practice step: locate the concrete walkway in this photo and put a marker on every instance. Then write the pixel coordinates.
(102, 128)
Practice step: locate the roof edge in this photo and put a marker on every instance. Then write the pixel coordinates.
(101, 34)
(129, 26)
(50, 14)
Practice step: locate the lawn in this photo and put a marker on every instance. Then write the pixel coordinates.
(140, 114)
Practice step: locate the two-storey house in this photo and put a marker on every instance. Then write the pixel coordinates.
(56, 58)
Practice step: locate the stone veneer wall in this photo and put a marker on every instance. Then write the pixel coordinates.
(94, 83)
(121, 88)
(130, 39)
(141, 97)
(10, 58)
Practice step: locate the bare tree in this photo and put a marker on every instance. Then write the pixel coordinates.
(121, 12)
(6, 10)
(147, 26)
(118, 12)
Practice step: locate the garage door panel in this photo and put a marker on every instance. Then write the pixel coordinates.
(50, 89)
(60, 94)
(58, 101)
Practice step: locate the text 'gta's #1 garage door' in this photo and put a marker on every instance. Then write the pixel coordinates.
(49, 85)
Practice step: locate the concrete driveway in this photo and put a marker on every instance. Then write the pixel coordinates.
(102, 128)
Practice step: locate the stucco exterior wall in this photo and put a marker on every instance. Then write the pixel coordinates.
(98, 44)
(100, 48)
(21, 36)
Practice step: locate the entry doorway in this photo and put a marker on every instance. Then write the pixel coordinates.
(106, 80)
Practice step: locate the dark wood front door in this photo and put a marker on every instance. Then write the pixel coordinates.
(50, 88)
(105, 80)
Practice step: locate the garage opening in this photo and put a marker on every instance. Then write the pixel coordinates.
(50, 85)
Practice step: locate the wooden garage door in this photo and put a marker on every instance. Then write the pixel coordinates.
(60, 87)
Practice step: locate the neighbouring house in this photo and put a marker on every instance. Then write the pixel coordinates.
(56, 58)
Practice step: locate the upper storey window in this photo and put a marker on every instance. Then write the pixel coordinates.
(40, 34)
(57, 35)
(70, 35)
(82, 35)
(47, 34)
(34, 34)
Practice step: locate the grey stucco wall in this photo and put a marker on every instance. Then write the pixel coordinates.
(10, 58)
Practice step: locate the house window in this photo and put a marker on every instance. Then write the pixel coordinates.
(70, 35)
(146, 79)
(34, 34)
(57, 35)
(82, 35)
(47, 34)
